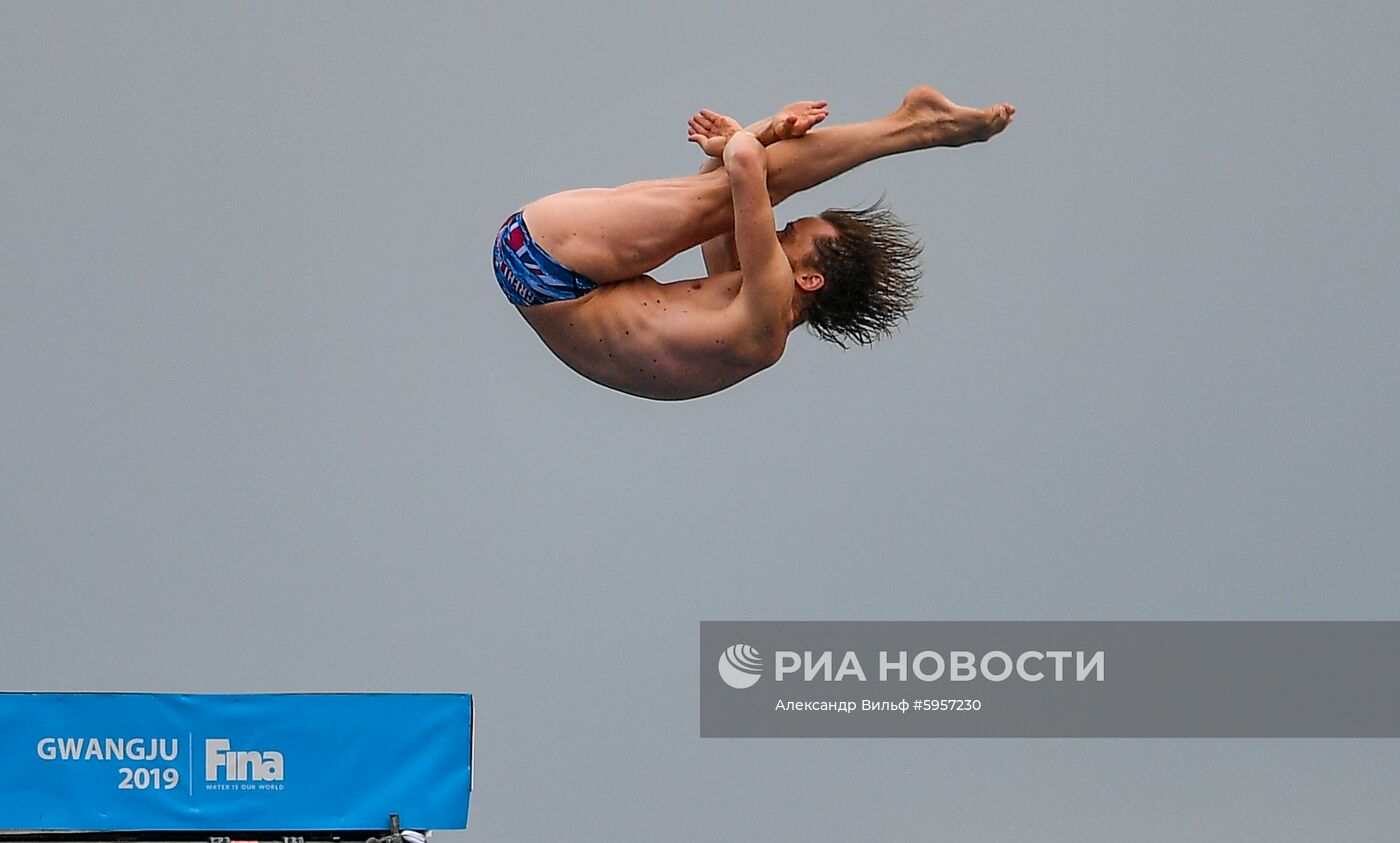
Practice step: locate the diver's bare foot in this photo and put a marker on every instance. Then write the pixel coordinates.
(950, 124)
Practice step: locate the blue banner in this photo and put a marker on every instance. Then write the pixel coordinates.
(189, 762)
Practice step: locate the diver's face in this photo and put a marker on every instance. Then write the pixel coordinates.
(797, 238)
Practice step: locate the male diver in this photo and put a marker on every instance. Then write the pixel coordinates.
(575, 263)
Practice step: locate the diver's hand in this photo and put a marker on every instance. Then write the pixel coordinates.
(712, 131)
(795, 119)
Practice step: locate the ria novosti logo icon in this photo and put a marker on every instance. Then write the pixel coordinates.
(740, 666)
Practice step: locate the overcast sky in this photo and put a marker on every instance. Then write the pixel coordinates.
(267, 423)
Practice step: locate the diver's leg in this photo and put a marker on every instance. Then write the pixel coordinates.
(613, 234)
(924, 120)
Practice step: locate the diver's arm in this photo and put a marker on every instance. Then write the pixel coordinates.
(765, 294)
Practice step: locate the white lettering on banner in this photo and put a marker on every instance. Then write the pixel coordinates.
(108, 749)
(240, 765)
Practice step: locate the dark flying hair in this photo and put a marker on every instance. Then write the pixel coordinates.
(871, 271)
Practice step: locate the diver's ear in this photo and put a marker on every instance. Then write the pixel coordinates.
(809, 280)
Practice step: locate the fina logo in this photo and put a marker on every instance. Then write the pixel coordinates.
(740, 666)
(240, 766)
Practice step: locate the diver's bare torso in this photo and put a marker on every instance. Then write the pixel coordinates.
(662, 341)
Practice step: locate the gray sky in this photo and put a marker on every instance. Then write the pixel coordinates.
(266, 422)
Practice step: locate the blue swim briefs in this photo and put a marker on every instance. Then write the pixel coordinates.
(527, 274)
